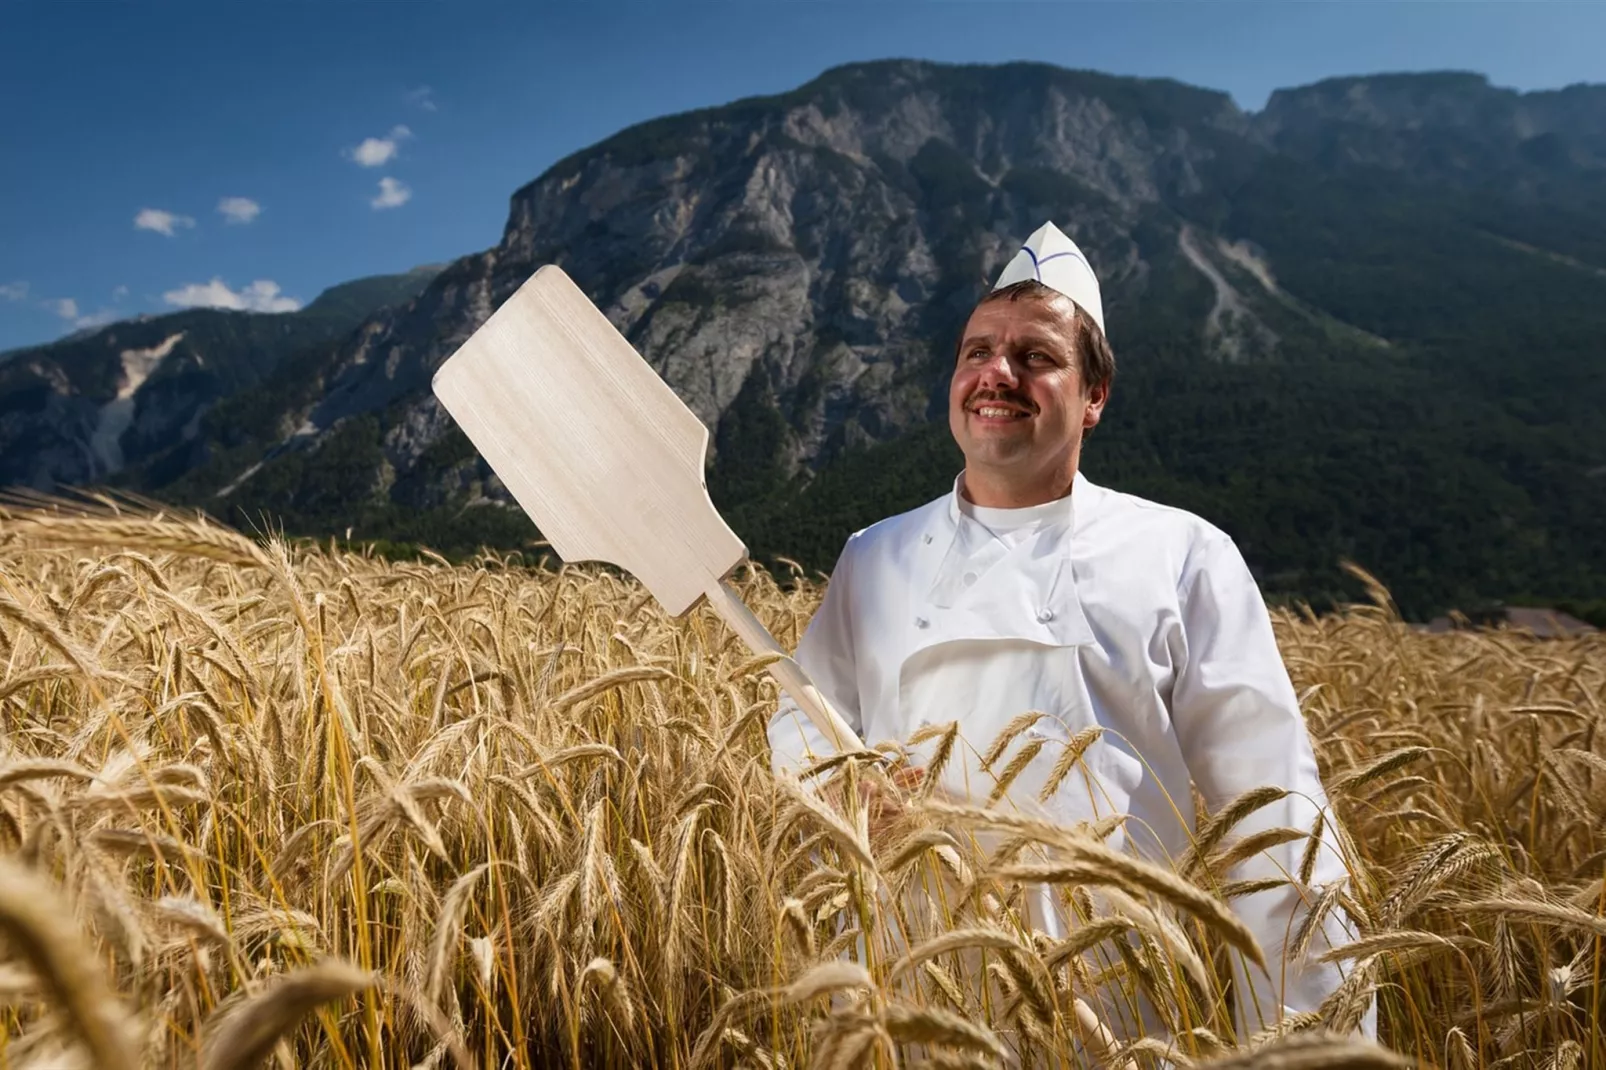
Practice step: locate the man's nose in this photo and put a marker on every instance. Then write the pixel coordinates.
(999, 371)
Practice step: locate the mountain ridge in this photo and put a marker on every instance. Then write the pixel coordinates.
(1308, 320)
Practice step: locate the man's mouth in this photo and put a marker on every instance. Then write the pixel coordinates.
(992, 410)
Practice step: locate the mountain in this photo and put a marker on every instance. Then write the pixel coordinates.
(1449, 127)
(1362, 323)
(126, 400)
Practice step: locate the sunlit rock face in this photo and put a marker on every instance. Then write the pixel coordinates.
(813, 253)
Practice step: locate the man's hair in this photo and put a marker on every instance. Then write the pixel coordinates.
(1094, 357)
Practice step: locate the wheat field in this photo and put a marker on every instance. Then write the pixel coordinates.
(264, 803)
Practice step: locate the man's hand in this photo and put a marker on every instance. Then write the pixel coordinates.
(887, 807)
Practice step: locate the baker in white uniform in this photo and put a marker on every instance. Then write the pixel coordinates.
(1027, 587)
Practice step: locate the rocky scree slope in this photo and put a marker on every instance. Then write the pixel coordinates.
(124, 402)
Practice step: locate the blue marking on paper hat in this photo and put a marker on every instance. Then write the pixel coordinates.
(1054, 260)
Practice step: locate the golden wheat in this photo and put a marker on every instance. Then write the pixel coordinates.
(501, 815)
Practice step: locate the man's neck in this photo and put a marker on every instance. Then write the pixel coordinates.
(979, 489)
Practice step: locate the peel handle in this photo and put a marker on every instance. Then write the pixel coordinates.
(787, 672)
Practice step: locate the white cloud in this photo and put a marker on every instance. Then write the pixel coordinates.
(119, 293)
(422, 97)
(261, 296)
(95, 319)
(66, 308)
(392, 194)
(161, 222)
(378, 151)
(239, 209)
(14, 291)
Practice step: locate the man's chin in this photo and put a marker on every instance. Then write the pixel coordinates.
(1008, 438)
(995, 452)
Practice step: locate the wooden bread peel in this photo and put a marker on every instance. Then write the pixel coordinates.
(606, 460)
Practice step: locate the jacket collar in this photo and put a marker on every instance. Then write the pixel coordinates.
(1047, 582)
(1080, 506)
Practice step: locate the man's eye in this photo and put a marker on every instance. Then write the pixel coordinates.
(1039, 357)
(978, 354)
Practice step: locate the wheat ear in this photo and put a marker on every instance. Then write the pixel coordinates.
(247, 1032)
(70, 973)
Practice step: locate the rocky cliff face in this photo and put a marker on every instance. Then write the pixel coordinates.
(815, 250)
(1447, 127)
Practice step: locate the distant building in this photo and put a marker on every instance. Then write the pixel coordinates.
(1541, 622)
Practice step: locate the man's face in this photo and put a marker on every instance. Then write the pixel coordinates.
(1016, 405)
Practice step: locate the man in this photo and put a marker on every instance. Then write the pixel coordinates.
(1028, 587)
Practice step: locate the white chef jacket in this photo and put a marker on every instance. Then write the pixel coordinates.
(1100, 608)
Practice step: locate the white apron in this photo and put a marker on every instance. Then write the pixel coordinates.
(1002, 668)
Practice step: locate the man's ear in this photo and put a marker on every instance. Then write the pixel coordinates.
(1096, 398)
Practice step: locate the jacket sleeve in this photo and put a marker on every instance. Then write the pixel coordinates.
(826, 654)
(1239, 726)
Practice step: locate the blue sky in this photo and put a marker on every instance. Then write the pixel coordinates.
(154, 155)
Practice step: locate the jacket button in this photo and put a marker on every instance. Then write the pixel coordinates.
(1044, 616)
(921, 622)
(926, 539)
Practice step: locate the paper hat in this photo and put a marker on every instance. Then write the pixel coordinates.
(1054, 260)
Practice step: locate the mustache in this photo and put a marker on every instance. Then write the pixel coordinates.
(1019, 401)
